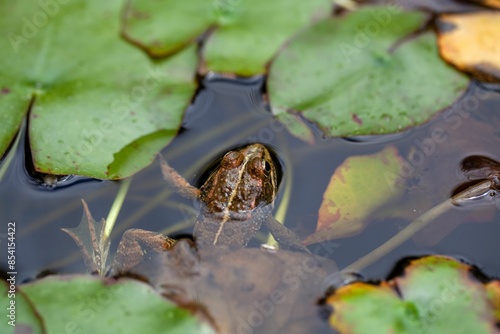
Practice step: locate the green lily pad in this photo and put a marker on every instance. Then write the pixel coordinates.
(358, 75)
(443, 292)
(20, 316)
(253, 31)
(358, 186)
(162, 28)
(10, 117)
(101, 107)
(437, 294)
(246, 35)
(86, 304)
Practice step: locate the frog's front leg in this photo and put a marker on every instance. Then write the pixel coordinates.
(135, 245)
(283, 235)
(176, 181)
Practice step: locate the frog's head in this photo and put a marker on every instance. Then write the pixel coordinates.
(244, 179)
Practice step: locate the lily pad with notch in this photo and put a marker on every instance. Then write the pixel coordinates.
(367, 72)
(99, 107)
(435, 294)
(242, 38)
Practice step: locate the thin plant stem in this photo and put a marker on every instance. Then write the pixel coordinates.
(284, 203)
(403, 235)
(418, 224)
(176, 227)
(143, 210)
(116, 207)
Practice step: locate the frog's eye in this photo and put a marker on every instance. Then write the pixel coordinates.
(232, 159)
(267, 166)
(259, 167)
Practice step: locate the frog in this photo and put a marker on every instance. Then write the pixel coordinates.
(237, 198)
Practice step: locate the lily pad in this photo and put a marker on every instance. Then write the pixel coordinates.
(444, 293)
(358, 186)
(162, 28)
(101, 107)
(10, 117)
(359, 309)
(362, 74)
(253, 31)
(245, 36)
(436, 294)
(87, 304)
(494, 293)
(490, 3)
(20, 316)
(470, 42)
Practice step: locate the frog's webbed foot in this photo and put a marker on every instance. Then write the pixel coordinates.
(176, 181)
(283, 235)
(135, 245)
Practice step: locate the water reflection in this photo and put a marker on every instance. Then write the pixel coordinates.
(229, 113)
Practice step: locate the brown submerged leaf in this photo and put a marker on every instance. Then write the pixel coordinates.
(245, 290)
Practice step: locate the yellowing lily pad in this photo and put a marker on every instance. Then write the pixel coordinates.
(364, 302)
(444, 292)
(436, 294)
(358, 186)
(493, 289)
(100, 107)
(362, 74)
(470, 42)
(490, 3)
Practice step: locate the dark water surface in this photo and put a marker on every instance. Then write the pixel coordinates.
(228, 113)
